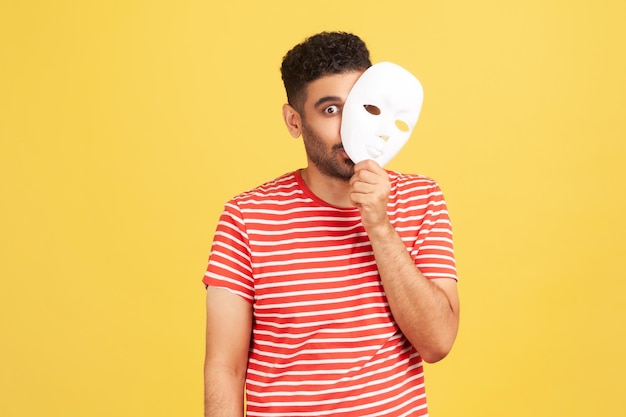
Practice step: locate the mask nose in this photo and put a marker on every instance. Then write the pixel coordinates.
(383, 137)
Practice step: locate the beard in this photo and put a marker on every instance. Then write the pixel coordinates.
(327, 160)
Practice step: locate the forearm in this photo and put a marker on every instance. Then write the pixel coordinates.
(223, 392)
(228, 329)
(424, 312)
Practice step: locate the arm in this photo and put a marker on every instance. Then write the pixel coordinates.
(427, 311)
(228, 327)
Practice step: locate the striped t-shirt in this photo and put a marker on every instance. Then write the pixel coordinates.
(324, 342)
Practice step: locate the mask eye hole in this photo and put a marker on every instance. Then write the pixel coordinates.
(371, 109)
(402, 125)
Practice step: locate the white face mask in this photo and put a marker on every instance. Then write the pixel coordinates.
(380, 113)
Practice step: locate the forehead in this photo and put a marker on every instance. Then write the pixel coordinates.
(331, 86)
(387, 80)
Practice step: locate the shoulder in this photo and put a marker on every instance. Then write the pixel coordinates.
(281, 186)
(276, 196)
(411, 183)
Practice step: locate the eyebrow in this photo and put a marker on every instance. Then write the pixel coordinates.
(326, 99)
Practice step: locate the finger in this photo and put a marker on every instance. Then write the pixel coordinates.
(362, 187)
(368, 165)
(359, 199)
(365, 176)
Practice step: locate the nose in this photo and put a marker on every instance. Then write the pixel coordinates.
(383, 137)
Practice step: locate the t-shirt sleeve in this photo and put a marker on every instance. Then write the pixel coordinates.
(229, 262)
(433, 251)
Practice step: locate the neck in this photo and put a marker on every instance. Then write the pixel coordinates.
(334, 191)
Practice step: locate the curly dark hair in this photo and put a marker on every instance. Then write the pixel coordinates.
(321, 54)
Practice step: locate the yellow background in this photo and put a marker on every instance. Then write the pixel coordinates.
(125, 125)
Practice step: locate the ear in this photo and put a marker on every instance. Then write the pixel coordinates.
(293, 120)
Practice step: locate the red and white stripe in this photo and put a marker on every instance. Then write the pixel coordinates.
(324, 340)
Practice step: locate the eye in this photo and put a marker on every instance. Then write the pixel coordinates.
(403, 126)
(371, 109)
(331, 109)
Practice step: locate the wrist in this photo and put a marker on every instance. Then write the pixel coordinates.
(382, 231)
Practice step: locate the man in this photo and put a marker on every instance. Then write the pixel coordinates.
(328, 287)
